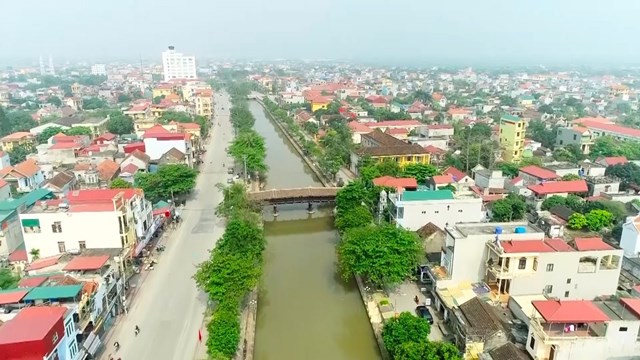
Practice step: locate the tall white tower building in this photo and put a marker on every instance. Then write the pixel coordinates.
(176, 65)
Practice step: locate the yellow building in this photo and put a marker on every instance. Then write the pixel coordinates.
(10, 141)
(512, 129)
(380, 147)
(203, 101)
(320, 103)
(162, 90)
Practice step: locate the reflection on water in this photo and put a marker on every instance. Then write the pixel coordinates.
(306, 311)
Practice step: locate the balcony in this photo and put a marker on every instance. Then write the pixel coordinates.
(554, 332)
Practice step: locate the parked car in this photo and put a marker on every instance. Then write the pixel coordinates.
(423, 312)
(230, 180)
(230, 171)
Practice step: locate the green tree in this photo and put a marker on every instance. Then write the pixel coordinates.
(628, 173)
(354, 194)
(570, 177)
(427, 350)
(552, 201)
(420, 172)
(311, 127)
(173, 180)
(79, 130)
(47, 133)
(512, 207)
(54, 100)
(124, 98)
(93, 103)
(19, 153)
(120, 125)
(574, 202)
(8, 280)
(234, 199)
(546, 109)
(249, 145)
(227, 276)
(158, 99)
(598, 219)
(404, 329)
(224, 332)
(383, 255)
(16, 120)
(577, 221)
(119, 183)
(169, 116)
(355, 217)
(509, 169)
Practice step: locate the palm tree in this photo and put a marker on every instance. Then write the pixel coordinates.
(35, 254)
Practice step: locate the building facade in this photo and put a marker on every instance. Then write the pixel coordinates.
(512, 130)
(176, 65)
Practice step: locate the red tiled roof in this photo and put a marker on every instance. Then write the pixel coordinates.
(606, 125)
(455, 173)
(12, 296)
(17, 136)
(390, 123)
(81, 263)
(100, 194)
(390, 181)
(439, 126)
(632, 304)
(397, 131)
(434, 150)
(569, 311)
(615, 160)
(559, 245)
(559, 187)
(357, 127)
(443, 179)
(526, 246)
(106, 136)
(129, 148)
(588, 244)
(130, 169)
(31, 282)
(31, 324)
(18, 255)
(515, 180)
(539, 172)
(43, 263)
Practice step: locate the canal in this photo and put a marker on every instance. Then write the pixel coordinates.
(305, 310)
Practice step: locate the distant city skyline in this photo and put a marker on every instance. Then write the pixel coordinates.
(469, 32)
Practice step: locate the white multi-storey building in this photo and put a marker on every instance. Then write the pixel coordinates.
(413, 209)
(99, 69)
(176, 65)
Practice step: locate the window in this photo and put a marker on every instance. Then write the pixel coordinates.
(82, 245)
(532, 342)
(522, 263)
(437, 212)
(61, 247)
(56, 227)
(575, 137)
(548, 289)
(459, 211)
(549, 267)
(623, 329)
(31, 225)
(535, 264)
(566, 294)
(569, 281)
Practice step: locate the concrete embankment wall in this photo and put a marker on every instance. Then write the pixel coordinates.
(294, 142)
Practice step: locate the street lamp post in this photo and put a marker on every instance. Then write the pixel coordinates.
(244, 158)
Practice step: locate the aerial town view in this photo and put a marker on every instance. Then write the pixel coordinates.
(357, 181)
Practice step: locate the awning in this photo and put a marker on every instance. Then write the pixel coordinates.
(30, 222)
(157, 222)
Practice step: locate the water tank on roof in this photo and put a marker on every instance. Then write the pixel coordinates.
(520, 230)
(498, 230)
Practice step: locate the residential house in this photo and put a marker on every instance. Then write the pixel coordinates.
(602, 184)
(412, 209)
(458, 176)
(23, 177)
(406, 125)
(61, 183)
(533, 174)
(5, 190)
(417, 110)
(158, 140)
(488, 179)
(512, 130)
(378, 101)
(457, 114)
(164, 89)
(203, 101)
(563, 168)
(605, 127)
(476, 327)
(135, 162)
(583, 329)
(108, 170)
(11, 234)
(5, 161)
(526, 101)
(10, 141)
(87, 219)
(630, 239)
(583, 268)
(40, 332)
(611, 160)
(561, 188)
(172, 156)
(439, 99)
(575, 135)
(380, 146)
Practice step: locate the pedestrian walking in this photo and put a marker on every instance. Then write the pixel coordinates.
(416, 299)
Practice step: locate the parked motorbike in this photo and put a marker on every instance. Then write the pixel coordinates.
(160, 248)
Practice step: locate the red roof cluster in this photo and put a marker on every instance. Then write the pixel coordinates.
(535, 246)
(31, 324)
(455, 173)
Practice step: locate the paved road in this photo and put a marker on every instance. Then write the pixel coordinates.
(169, 308)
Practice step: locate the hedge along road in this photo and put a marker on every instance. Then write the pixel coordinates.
(305, 309)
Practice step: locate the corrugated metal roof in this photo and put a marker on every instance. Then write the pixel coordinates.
(53, 292)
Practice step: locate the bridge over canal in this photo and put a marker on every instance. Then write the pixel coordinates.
(308, 195)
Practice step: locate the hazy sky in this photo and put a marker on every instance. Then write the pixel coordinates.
(461, 31)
